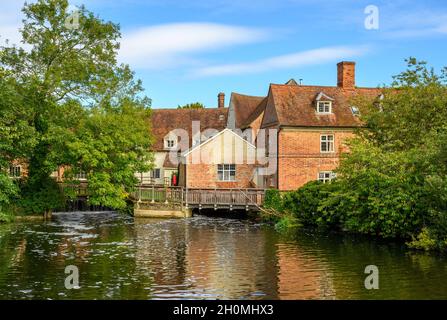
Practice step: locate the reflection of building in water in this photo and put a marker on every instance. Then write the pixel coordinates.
(160, 250)
(301, 275)
(232, 264)
(226, 261)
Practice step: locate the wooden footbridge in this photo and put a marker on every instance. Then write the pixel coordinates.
(169, 201)
(185, 198)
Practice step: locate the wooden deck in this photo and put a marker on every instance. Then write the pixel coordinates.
(231, 199)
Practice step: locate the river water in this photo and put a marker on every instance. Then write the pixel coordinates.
(204, 258)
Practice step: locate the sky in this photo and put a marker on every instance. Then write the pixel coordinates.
(189, 51)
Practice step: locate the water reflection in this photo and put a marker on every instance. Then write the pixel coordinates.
(203, 258)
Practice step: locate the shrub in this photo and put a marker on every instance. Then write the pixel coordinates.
(305, 204)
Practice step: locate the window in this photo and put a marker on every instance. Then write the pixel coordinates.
(327, 143)
(355, 111)
(226, 172)
(170, 143)
(15, 171)
(155, 174)
(324, 106)
(81, 176)
(326, 176)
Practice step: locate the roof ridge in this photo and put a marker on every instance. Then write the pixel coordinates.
(247, 95)
(319, 86)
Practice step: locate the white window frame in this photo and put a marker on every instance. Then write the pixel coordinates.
(324, 138)
(16, 171)
(170, 143)
(326, 104)
(224, 172)
(326, 176)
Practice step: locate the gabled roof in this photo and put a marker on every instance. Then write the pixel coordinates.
(166, 120)
(187, 152)
(323, 96)
(295, 105)
(167, 162)
(244, 106)
(255, 114)
(292, 82)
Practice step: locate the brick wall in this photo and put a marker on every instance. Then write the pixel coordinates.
(205, 176)
(300, 159)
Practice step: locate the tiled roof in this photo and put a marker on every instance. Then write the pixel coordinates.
(166, 120)
(295, 105)
(244, 106)
(255, 114)
(167, 162)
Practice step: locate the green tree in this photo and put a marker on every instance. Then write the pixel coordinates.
(16, 137)
(194, 105)
(69, 77)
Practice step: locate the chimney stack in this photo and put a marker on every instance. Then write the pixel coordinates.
(221, 100)
(346, 75)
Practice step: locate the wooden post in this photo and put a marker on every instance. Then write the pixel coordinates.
(181, 199)
(166, 194)
(153, 194)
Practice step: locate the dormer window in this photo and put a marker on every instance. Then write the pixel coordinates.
(324, 106)
(323, 103)
(355, 111)
(170, 142)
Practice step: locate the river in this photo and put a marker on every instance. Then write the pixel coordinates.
(204, 258)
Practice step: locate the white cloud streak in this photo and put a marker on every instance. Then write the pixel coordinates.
(169, 45)
(294, 60)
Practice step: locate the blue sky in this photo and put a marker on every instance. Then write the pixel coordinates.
(187, 51)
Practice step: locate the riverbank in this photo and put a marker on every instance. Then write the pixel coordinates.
(321, 206)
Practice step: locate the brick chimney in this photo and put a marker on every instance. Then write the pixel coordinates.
(346, 75)
(221, 100)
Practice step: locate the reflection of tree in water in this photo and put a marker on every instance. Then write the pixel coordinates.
(403, 274)
(106, 262)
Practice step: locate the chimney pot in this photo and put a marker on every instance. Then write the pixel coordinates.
(221, 100)
(346, 75)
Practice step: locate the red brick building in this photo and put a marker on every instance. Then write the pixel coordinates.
(305, 127)
(311, 125)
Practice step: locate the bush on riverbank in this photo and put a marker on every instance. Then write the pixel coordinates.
(6, 216)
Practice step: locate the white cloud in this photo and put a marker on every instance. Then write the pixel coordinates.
(417, 23)
(168, 45)
(294, 60)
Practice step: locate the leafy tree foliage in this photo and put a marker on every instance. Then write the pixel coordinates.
(85, 110)
(194, 105)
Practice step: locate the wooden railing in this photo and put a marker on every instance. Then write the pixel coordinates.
(200, 197)
(194, 198)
